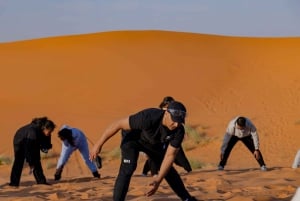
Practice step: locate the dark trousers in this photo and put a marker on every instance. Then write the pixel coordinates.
(17, 168)
(180, 160)
(248, 142)
(150, 166)
(130, 152)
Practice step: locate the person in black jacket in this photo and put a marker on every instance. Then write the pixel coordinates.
(27, 142)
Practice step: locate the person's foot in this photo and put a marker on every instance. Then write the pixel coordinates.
(220, 167)
(13, 185)
(44, 183)
(191, 199)
(188, 171)
(263, 168)
(96, 174)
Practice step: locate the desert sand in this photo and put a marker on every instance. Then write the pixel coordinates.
(88, 81)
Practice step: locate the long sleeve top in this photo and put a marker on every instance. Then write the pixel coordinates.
(66, 151)
(232, 130)
(27, 139)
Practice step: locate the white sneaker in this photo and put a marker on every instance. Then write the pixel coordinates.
(263, 168)
(220, 167)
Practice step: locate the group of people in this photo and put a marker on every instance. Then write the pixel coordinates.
(157, 132)
(34, 137)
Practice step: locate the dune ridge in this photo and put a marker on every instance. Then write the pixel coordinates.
(90, 80)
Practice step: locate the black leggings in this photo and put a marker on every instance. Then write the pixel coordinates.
(17, 168)
(150, 166)
(182, 161)
(130, 152)
(248, 142)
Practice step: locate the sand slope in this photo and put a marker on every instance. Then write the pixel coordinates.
(87, 81)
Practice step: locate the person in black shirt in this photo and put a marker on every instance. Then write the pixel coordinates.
(160, 135)
(28, 141)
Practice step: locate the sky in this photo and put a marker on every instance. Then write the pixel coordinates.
(31, 19)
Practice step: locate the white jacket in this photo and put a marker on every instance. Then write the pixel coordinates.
(233, 130)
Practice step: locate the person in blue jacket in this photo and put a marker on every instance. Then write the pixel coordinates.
(73, 139)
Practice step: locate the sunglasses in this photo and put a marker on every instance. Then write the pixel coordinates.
(177, 113)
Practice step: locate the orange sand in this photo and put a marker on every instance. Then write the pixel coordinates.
(87, 81)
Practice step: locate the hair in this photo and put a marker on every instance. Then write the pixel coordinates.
(43, 122)
(241, 121)
(165, 102)
(66, 134)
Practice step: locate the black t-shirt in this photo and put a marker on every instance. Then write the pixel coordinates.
(149, 122)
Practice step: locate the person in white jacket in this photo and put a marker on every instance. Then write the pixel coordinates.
(241, 129)
(73, 139)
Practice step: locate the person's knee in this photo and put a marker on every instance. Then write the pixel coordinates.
(128, 168)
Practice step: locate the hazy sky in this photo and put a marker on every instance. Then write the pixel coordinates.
(27, 19)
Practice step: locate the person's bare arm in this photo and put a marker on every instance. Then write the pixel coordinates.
(110, 131)
(164, 168)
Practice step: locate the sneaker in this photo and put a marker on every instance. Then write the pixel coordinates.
(96, 174)
(13, 185)
(220, 167)
(191, 199)
(263, 168)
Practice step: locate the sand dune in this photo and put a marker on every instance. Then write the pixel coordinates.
(278, 184)
(87, 81)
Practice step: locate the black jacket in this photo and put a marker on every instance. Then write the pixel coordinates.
(30, 139)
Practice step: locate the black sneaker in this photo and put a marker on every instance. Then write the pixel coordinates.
(13, 185)
(96, 174)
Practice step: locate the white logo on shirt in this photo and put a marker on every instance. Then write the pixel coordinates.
(126, 161)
